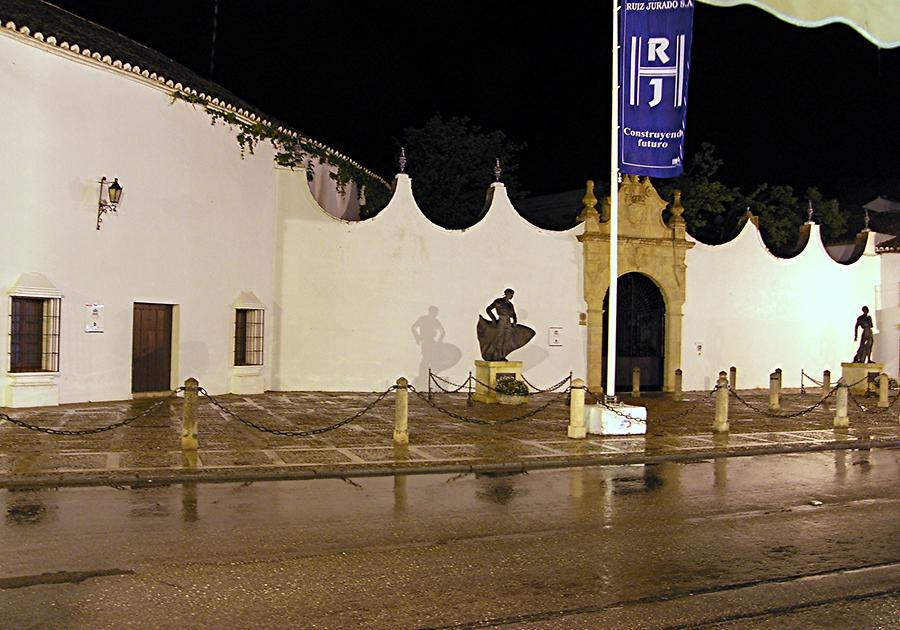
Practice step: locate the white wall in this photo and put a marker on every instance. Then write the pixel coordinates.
(758, 312)
(887, 318)
(350, 293)
(194, 228)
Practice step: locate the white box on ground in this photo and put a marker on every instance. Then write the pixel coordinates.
(625, 420)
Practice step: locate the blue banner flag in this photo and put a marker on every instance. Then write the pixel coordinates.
(653, 65)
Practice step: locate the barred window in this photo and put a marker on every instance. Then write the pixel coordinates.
(34, 334)
(248, 336)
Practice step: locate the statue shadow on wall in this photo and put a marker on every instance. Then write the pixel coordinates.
(436, 354)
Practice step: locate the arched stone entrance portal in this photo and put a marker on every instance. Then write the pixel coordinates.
(640, 332)
(652, 249)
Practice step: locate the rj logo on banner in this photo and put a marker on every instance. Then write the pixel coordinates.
(651, 61)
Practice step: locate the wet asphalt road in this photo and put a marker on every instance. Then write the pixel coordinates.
(804, 540)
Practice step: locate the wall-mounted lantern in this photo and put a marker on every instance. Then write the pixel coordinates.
(110, 194)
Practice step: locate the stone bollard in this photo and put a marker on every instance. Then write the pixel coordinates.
(720, 424)
(841, 421)
(635, 382)
(189, 416)
(576, 410)
(774, 391)
(732, 378)
(883, 390)
(678, 394)
(401, 412)
(826, 382)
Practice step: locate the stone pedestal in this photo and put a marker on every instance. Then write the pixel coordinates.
(629, 420)
(488, 372)
(852, 372)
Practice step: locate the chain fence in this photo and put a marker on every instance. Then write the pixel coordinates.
(772, 414)
(561, 396)
(292, 433)
(552, 388)
(91, 431)
(601, 400)
(876, 411)
(805, 377)
(439, 381)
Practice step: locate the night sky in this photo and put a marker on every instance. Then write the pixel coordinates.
(782, 104)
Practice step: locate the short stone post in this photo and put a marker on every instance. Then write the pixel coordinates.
(429, 384)
(401, 412)
(883, 390)
(774, 391)
(576, 410)
(189, 416)
(826, 382)
(678, 394)
(635, 382)
(720, 424)
(732, 378)
(841, 420)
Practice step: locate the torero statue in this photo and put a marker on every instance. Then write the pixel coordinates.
(502, 334)
(864, 321)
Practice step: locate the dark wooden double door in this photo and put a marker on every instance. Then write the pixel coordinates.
(640, 332)
(151, 348)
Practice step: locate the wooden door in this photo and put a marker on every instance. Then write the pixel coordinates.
(151, 348)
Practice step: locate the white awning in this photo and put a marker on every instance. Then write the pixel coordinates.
(877, 20)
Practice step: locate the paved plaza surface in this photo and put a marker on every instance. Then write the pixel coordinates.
(446, 435)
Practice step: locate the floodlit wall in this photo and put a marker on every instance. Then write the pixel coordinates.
(746, 307)
(195, 226)
(354, 296)
(887, 317)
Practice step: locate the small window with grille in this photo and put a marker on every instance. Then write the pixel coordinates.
(34, 334)
(248, 336)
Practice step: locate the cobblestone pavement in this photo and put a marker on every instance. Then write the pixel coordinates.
(149, 447)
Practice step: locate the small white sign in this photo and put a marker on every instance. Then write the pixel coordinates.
(93, 318)
(555, 336)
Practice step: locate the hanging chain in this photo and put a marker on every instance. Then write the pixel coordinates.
(435, 378)
(307, 433)
(481, 421)
(110, 427)
(880, 411)
(771, 414)
(552, 388)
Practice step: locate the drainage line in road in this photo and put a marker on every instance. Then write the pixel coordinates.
(548, 615)
(782, 610)
(165, 477)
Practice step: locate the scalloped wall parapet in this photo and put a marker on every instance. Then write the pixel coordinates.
(749, 308)
(351, 291)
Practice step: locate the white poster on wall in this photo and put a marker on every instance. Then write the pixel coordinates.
(555, 336)
(93, 318)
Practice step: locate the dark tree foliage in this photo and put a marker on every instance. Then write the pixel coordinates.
(452, 165)
(713, 210)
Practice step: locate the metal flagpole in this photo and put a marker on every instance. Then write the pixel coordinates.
(612, 309)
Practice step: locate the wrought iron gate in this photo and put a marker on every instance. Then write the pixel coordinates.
(640, 332)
